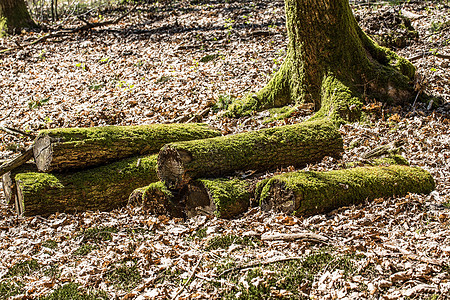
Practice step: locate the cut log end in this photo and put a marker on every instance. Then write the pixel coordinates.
(279, 199)
(43, 153)
(198, 201)
(171, 167)
(8, 186)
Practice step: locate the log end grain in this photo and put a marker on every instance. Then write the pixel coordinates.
(43, 152)
(171, 169)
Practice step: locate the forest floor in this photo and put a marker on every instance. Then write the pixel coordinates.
(168, 61)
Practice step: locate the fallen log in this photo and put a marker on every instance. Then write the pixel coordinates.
(16, 162)
(224, 198)
(74, 148)
(305, 193)
(102, 188)
(294, 145)
(156, 199)
(9, 185)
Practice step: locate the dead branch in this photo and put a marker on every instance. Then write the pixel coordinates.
(189, 279)
(85, 27)
(422, 55)
(307, 236)
(15, 132)
(16, 162)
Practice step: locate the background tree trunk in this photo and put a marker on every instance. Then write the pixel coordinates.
(332, 63)
(14, 16)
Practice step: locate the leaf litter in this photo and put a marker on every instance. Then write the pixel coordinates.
(170, 61)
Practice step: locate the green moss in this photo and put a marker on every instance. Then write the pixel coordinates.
(10, 288)
(103, 188)
(292, 276)
(51, 244)
(225, 241)
(390, 160)
(316, 192)
(72, 291)
(124, 275)
(231, 196)
(98, 234)
(23, 268)
(84, 250)
(157, 186)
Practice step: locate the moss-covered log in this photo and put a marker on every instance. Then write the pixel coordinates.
(101, 188)
(14, 16)
(332, 63)
(157, 199)
(294, 145)
(304, 193)
(9, 185)
(71, 148)
(224, 198)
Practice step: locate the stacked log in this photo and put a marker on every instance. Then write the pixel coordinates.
(77, 148)
(305, 193)
(291, 145)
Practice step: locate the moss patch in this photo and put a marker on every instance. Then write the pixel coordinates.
(10, 288)
(124, 275)
(23, 268)
(71, 291)
(225, 241)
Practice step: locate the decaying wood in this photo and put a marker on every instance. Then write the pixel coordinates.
(16, 162)
(309, 237)
(9, 185)
(221, 197)
(291, 145)
(312, 192)
(60, 33)
(74, 148)
(102, 188)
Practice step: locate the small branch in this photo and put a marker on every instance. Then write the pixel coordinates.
(16, 162)
(66, 32)
(309, 237)
(16, 132)
(418, 56)
(260, 263)
(189, 279)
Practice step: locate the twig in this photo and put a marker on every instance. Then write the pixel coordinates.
(189, 279)
(6, 116)
(309, 237)
(418, 56)
(260, 263)
(14, 131)
(16, 162)
(66, 32)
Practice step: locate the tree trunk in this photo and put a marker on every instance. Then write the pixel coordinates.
(224, 198)
(292, 145)
(157, 199)
(332, 63)
(14, 16)
(102, 188)
(305, 193)
(70, 148)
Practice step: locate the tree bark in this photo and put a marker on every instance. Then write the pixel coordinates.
(224, 198)
(305, 193)
(9, 185)
(292, 145)
(332, 63)
(103, 188)
(14, 16)
(71, 148)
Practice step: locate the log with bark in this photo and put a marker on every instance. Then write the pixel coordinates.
(102, 188)
(224, 198)
(76, 148)
(9, 185)
(305, 193)
(291, 145)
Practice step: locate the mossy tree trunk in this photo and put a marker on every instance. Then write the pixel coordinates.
(305, 193)
(14, 16)
(102, 188)
(332, 63)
